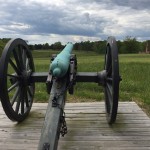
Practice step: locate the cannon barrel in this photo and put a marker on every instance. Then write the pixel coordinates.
(60, 65)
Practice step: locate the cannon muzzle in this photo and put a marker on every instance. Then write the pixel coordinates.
(60, 64)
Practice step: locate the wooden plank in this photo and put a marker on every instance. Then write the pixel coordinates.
(87, 128)
(96, 110)
(98, 144)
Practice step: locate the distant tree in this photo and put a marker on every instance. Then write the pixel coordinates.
(1, 47)
(81, 45)
(99, 47)
(119, 45)
(76, 46)
(87, 46)
(57, 46)
(130, 45)
(38, 46)
(3, 42)
(31, 47)
(46, 46)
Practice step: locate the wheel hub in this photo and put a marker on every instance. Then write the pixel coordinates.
(25, 77)
(102, 77)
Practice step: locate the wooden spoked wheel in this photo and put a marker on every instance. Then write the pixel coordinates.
(17, 91)
(111, 87)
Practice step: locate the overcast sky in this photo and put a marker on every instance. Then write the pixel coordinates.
(41, 21)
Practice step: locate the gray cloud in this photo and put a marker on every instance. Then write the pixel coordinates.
(73, 19)
(135, 4)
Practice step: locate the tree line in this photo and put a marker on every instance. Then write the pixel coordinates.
(128, 45)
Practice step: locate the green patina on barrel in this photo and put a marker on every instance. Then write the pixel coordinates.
(60, 65)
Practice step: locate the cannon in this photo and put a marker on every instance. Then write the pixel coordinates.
(60, 65)
(18, 78)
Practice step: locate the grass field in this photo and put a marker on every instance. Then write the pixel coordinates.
(134, 70)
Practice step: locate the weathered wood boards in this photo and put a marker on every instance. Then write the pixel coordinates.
(87, 128)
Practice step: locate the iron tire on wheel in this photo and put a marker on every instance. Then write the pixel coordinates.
(111, 87)
(17, 91)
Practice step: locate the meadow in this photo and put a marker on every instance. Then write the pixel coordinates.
(134, 70)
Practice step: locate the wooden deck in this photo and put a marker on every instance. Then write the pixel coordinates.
(87, 128)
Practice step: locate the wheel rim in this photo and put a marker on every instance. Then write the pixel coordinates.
(15, 70)
(112, 80)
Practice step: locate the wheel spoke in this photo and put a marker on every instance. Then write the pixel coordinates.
(109, 94)
(13, 75)
(26, 98)
(17, 59)
(109, 71)
(22, 106)
(23, 99)
(24, 58)
(20, 56)
(109, 79)
(109, 67)
(106, 60)
(109, 87)
(18, 101)
(13, 86)
(27, 64)
(15, 96)
(108, 63)
(14, 66)
(29, 91)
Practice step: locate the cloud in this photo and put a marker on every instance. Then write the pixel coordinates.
(65, 20)
(134, 4)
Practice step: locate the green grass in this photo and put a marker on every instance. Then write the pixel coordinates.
(134, 70)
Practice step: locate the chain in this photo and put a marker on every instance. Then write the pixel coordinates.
(54, 100)
(63, 129)
(46, 146)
